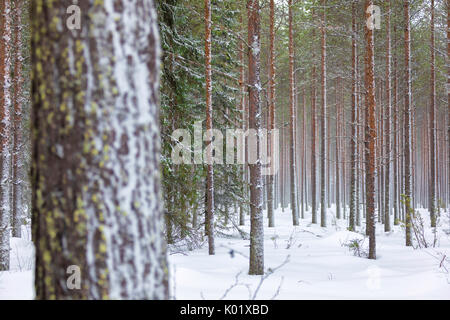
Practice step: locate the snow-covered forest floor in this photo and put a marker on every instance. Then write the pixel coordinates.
(319, 265)
(308, 262)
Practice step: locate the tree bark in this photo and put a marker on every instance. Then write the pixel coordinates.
(271, 92)
(313, 130)
(97, 204)
(304, 192)
(323, 119)
(407, 126)
(387, 125)
(5, 133)
(293, 179)
(256, 227)
(244, 121)
(18, 100)
(432, 182)
(448, 101)
(371, 133)
(354, 139)
(395, 154)
(338, 149)
(209, 126)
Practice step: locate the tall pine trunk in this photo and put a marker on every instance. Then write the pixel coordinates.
(407, 126)
(304, 192)
(292, 123)
(354, 138)
(271, 92)
(209, 214)
(256, 214)
(323, 119)
(387, 125)
(313, 129)
(5, 132)
(448, 100)
(371, 133)
(338, 149)
(432, 182)
(18, 100)
(97, 204)
(244, 120)
(395, 154)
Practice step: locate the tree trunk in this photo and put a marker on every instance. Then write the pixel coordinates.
(371, 133)
(313, 130)
(97, 205)
(293, 189)
(304, 190)
(256, 228)
(209, 126)
(395, 154)
(354, 139)
(271, 92)
(323, 119)
(387, 126)
(407, 127)
(18, 99)
(338, 149)
(448, 101)
(244, 120)
(432, 184)
(5, 132)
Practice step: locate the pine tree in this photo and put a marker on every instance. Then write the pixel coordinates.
(209, 218)
(323, 120)
(18, 102)
(387, 125)
(5, 132)
(254, 83)
(293, 122)
(407, 126)
(313, 129)
(271, 94)
(97, 202)
(432, 183)
(354, 139)
(338, 149)
(371, 133)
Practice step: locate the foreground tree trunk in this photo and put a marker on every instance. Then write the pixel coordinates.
(293, 122)
(407, 127)
(209, 215)
(256, 214)
(371, 133)
(5, 132)
(97, 205)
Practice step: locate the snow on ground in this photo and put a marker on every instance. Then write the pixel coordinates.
(318, 267)
(17, 284)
